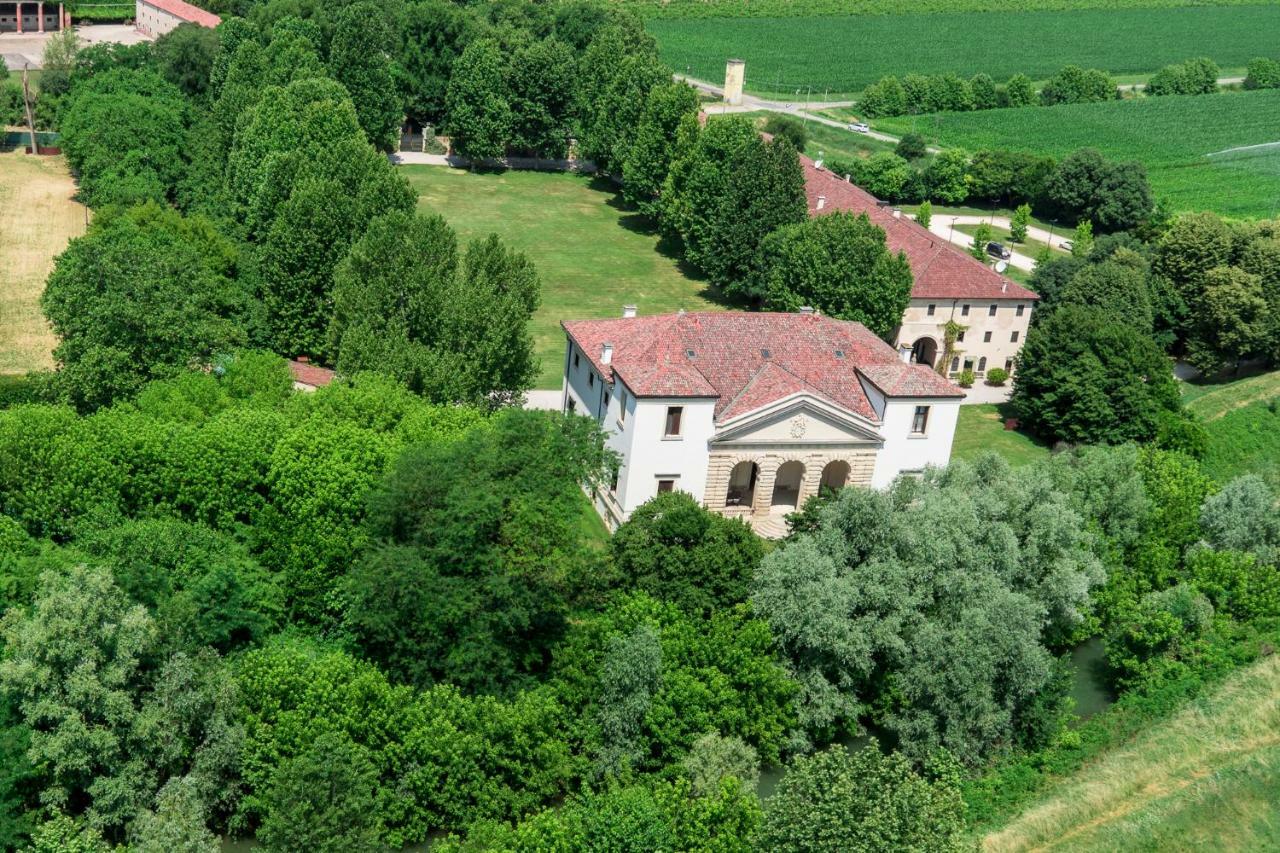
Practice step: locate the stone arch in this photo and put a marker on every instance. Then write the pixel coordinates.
(924, 351)
(787, 483)
(835, 476)
(742, 483)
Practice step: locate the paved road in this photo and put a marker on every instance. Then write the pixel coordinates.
(26, 50)
(750, 103)
(940, 224)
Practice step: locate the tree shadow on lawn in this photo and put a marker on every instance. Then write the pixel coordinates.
(667, 246)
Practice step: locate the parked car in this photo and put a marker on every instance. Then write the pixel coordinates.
(859, 127)
(999, 250)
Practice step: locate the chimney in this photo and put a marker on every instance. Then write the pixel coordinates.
(897, 213)
(805, 309)
(628, 311)
(822, 202)
(606, 353)
(681, 313)
(848, 179)
(1004, 287)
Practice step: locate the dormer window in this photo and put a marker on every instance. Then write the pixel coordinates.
(764, 353)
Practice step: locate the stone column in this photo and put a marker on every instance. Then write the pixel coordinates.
(763, 499)
(18, 6)
(40, 15)
(813, 468)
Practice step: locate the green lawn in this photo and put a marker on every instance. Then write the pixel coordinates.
(981, 428)
(593, 255)
(845, 53)
(1184, 142)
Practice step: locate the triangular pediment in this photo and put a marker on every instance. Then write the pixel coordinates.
(799, 419)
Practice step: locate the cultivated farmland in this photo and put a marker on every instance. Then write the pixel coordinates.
(844, 54)
(808, 8)
(1172, 136)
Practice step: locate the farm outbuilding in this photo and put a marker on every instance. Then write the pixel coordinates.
(157, 17)
(32, 17)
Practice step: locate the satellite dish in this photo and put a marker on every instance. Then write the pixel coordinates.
(1001, 266)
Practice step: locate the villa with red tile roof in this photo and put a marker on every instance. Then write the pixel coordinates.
(751, 413)
(157, 17)
(949, 285)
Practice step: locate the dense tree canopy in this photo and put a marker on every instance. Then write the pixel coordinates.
(839, 264)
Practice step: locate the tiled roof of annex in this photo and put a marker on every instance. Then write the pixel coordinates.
(940, 270)
(186, 11)
(749, 360)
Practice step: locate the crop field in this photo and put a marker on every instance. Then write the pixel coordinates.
(1211, 152)
(37, 218)
(592, 254)
(844, 54)
(1207, 778)
(809, 8)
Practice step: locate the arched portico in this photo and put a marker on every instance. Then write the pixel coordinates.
(835, 476)
(786, 486)
(924, 351)
(742, 484)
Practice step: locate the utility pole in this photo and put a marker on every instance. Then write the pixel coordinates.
(26, 102)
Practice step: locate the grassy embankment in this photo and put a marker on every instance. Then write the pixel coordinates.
(1242, 418)
(592, 254)
(1207, 778)
(37, 219)
(841, 53)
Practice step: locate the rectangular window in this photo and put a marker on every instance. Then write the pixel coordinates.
(666, 486)
(986, 337)
(673, 420)
(591, 379)
(960, 337)
(1013, 338)
(622, 405)
(573, 406)
(982, 364)
(1008, 365)
(613, 482)
(955, 364)
(968, 364)
(991, 312)
(920, 421)
(964, 310)
(606, 401)
(932, 308)
(575, 361)
(1021, 308)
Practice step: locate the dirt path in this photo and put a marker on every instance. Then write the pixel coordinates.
(37, 219)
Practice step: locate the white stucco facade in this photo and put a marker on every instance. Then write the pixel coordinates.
(994, 331)
(760, 463)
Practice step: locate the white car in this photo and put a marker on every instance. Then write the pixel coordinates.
(859, 127)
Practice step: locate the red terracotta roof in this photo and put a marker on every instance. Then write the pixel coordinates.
(187, 12)
(940, 270)
(313, 376)
(748, 360)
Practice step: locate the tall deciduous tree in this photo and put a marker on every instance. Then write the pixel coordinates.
(478, 101)
(615, 75)
(839, 264)
(667, 108)
(360, 59)
(1082, 377)
(542, 98)
(1232, 320)
(452, 331)
(144, 294)
(434, 36)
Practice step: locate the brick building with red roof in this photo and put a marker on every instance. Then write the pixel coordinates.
(949, 284)
(751, 413)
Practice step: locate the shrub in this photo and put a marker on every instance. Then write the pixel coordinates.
(965, 379)
(997, 376)
(788, 128)
(924, 215)
(981, 236)
(1262, 73)
(911, 147)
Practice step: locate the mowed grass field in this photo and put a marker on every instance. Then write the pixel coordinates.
(1184, 141)
(1207, 778)
(592, 255)
(981, 429)
(844, 54)
(37, 219)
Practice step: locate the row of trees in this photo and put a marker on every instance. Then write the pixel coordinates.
(1082, 186)
(916, 94)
